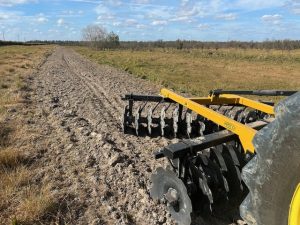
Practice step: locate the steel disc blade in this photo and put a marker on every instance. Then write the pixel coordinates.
(137, 121)
(164, 180)
(201, 128)
(175, 121)
(162, 121)
(149, 120)
(188, 120)
(124, 118)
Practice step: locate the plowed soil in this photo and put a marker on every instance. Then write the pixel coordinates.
(98, 174)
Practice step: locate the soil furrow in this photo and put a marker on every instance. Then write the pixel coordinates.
(97, 97)
(101, 174)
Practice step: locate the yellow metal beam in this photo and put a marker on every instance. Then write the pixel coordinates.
(214, 100)
(251, 103)
(235, 100)
(245, 133)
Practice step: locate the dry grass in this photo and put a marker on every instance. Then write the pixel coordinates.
(21, 200)
(37, 204)
(10, 158)
(199, 71)
(5, 132)
(11, 181)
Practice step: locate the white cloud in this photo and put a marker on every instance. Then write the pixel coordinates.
(116, 24)
(296, 10)
(159, 22)
(275, 19)
(60, 22)
(106, 17)
(53, 31)
(203, 26)
(86, 1)
(115, 2)
(69, 12)
(130, 22)
(10, 3)
(104, 13)
(189, 11)
(157, 13)
(141, 26)
(4, 16)
(293, 6)
(42, 19)
(184, 2)
(9, 16)
(142, 1)
(182, 19)
(227, 16)
(211, 8)
(102, 9)
(202, 8)
(160, 29)
(258, 4)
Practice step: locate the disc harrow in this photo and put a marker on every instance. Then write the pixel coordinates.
(157, 116)
(216, 135)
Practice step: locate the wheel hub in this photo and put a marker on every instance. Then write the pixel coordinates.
(172, 196)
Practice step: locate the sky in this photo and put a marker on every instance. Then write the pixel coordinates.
(144, 20)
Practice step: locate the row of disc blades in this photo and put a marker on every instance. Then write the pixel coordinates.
(210, 180)
(168, 121)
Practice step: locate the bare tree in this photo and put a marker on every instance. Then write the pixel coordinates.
(95, 35)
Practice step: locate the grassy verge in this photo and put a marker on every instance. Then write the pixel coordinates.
(198, 71)
(21, 201)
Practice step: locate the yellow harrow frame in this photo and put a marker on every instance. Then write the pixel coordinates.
(244, 132)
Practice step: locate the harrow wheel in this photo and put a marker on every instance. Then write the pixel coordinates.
(168, 188)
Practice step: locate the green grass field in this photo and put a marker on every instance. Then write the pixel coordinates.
(197, 71)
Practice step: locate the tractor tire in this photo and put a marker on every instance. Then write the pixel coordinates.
(273, 175)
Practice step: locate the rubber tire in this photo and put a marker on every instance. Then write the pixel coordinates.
(274, 173)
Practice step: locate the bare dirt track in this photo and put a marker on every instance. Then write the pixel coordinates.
(98, 174)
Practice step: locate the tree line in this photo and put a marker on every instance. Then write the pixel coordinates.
(182, 44)
(98, 38)
(6, 43)
(186, 44)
